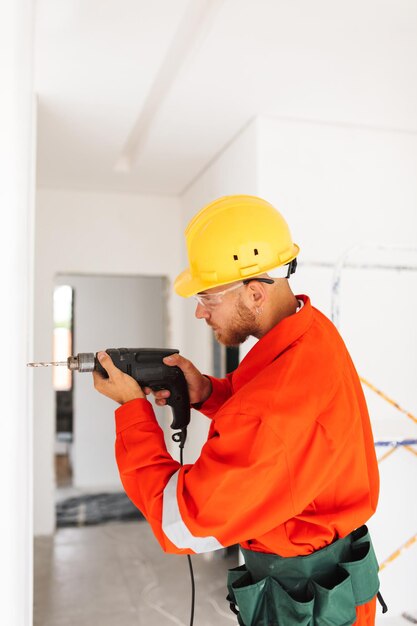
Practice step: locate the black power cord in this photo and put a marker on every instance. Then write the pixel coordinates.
(190, 565)
(180, 437)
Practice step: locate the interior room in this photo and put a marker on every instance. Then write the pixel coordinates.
(119, 122)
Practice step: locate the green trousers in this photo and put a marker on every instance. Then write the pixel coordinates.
(320, 589)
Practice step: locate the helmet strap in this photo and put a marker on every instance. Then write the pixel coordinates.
(292, 266)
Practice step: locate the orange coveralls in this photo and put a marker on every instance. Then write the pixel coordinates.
(289, 464)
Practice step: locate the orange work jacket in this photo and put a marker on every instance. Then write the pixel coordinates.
(289, 464)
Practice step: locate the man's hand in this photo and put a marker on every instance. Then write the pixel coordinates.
(199, 386)
(118, 386)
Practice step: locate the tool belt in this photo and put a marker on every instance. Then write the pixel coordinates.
(319, 589)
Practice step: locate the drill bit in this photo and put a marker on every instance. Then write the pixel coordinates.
(47, 364)
(82, 362)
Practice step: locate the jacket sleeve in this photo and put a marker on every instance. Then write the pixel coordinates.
(222, 389)
(216, 502)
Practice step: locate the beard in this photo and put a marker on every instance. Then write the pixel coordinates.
(240, 328)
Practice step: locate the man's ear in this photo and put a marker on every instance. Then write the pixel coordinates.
(257, 293)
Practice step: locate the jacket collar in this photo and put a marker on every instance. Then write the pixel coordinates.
(271, 345)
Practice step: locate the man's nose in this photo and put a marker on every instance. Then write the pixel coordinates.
(201, 312)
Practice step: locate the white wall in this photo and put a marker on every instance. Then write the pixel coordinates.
(92, 233)
(17, 160)
(342, 184)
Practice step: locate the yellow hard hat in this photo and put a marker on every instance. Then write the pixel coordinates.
(234, 238)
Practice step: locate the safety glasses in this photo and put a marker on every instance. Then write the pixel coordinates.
(212, 300)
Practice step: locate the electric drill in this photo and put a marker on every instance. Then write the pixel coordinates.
(145, 365)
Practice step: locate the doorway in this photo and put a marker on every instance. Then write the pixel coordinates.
(91, 313)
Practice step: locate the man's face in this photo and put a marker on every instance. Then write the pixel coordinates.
(226, 312)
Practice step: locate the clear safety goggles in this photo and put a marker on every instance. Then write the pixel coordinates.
(211, 300)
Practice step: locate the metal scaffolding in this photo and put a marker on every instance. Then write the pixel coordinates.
(393, 445)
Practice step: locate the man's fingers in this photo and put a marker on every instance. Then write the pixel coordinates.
(199, 386)
(160, 396)
(173, 359)
(181, 362)
(107, 363)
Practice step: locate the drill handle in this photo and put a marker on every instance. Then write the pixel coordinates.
(178, 399)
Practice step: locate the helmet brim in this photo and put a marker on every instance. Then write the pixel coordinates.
(187, 285)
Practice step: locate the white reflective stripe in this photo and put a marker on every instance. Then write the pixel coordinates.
(175, 528)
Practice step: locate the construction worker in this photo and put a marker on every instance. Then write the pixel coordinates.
(289, 470)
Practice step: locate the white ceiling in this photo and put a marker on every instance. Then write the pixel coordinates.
(140, 95)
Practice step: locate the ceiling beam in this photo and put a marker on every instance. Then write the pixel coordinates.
(191, 31)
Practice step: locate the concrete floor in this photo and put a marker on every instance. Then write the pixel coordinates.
(117, 575)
